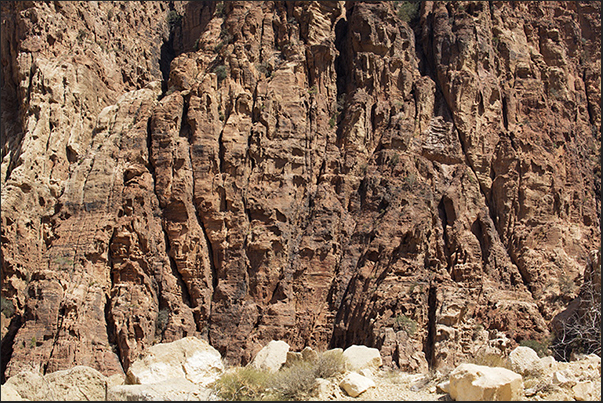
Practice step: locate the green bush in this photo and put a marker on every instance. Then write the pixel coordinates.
(408, 10)
(7, 307)
(245, 383)
(173, 18)
(221, 72)
(402, 322)
(162, 320)
(542, 348)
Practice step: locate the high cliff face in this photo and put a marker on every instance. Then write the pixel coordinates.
(324, 173)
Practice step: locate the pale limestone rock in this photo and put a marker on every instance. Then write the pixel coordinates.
(189, 358)
(585, 391)
(272, 356)
(548, 362)
(31, 386)
(354, 384)
(8, 393)
(470, 382)
(560, 378)
(525, 361)
(178, 389)
(444, 386)
(78, 383)
(360, 357)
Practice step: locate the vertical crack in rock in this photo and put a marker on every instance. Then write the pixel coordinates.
(429, 343)
(7, 344)
(109, 321)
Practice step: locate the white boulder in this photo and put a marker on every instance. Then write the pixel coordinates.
(360, 357)
(189, 358)
(525, 361)
(354, 384)
(586, 391)
(30, 386)
(78, 383)
(8, 393)
(470, 382)
(271, 357)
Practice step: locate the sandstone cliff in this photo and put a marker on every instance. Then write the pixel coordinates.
(325, 173)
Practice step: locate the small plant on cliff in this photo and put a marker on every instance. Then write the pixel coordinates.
(219, 9)
(402, 322)
(221, 72)
(162, 320)
(7, 307)
(173, 19)
(407, 10)
(313, 90)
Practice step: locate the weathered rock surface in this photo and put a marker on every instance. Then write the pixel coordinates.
(272, 356)
(354, 384)
(189, 358)
(361, 357)
(525, 361)
(77, 384)
(470, 382)
(321, 173)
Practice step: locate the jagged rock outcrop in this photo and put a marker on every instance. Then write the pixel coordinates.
(322, 173)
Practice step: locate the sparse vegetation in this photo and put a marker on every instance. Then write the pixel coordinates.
(221, 72)
(264, 68)
(173, 19)
(245, 383)
(162, 320)
(581, 332)
(402, 322)
(407, 10)
(7, 307)
(219, 9)
(313, 90)
(294, 382)
(542, 348)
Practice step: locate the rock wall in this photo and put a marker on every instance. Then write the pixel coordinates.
(323, 173)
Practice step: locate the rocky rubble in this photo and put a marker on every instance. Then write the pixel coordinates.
(172, 377)
(326, 174)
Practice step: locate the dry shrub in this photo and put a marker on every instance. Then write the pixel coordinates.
(330, 364)
(245, 383)
(296, 382)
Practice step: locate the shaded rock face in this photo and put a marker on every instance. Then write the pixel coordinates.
(321, 173)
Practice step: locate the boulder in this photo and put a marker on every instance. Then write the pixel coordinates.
(354, 384)
(78, 383)
(30, 386)
(470, 382)
(560, 378)
(360, 357)
(8, 393)
(271, 357)
(177, 389)
(525, 361)
(586, 391)
(189, 358)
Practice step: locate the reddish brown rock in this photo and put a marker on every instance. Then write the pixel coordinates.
(321, 173)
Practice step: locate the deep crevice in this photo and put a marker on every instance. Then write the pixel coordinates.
(429, 345)
(7, 343)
